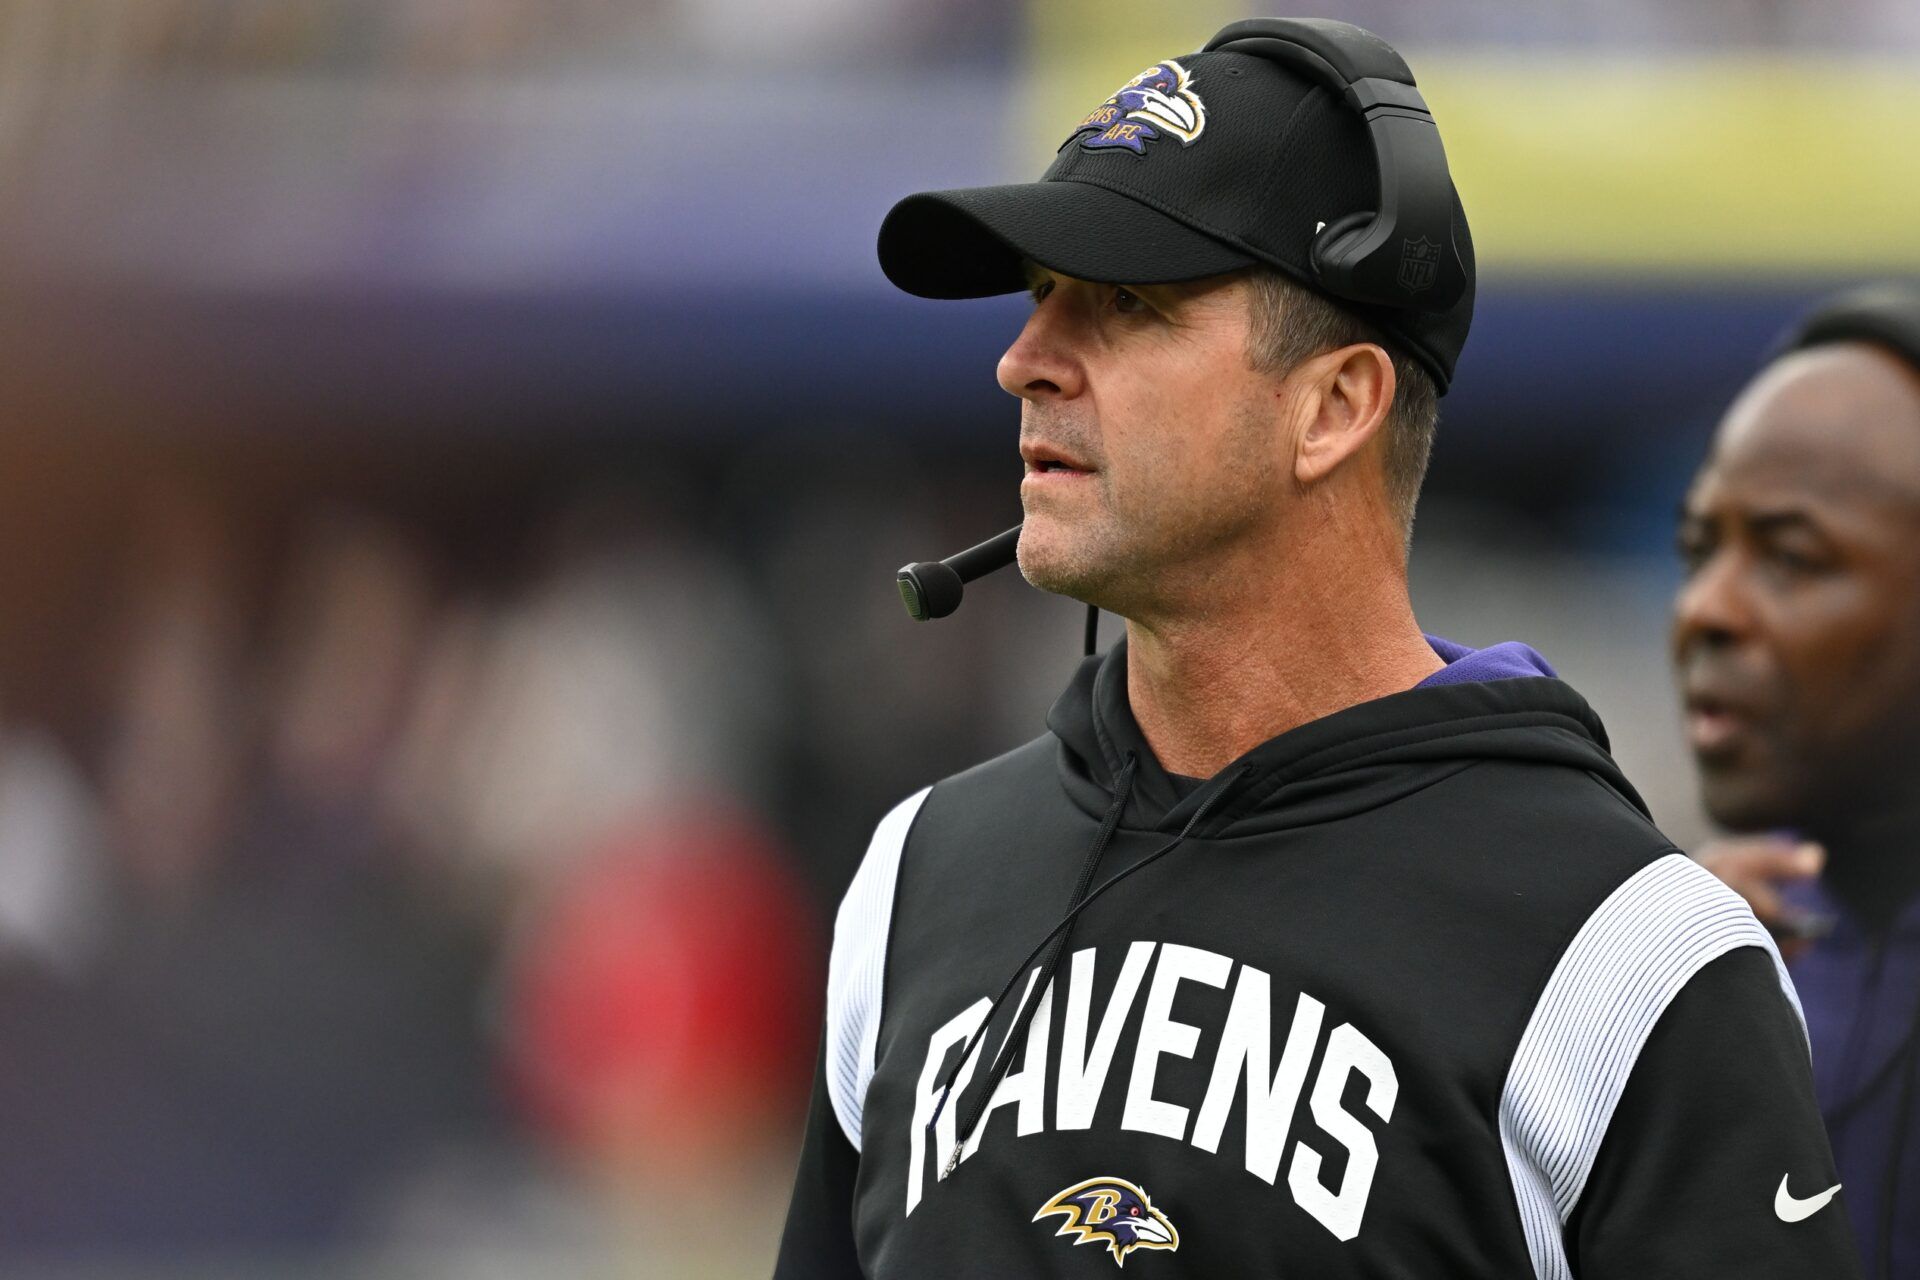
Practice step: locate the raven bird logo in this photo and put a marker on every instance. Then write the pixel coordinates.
(1113, 1212)
(1160, 101)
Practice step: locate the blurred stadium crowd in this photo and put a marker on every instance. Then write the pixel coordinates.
(450, 663)
(354, 861)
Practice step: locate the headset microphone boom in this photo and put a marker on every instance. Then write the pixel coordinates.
(932, 588)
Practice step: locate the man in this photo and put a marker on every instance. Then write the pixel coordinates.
(1301, 945)
(1797, 642)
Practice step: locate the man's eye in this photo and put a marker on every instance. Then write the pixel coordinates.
(1040, 291)
(1693, 548)
(1127, 302)
(1796, 559)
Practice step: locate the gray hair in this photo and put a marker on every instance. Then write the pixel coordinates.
(1291, 323)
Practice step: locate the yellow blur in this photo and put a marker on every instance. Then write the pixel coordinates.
(1734, 164)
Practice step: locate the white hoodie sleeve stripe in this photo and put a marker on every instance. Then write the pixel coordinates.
(858, 965)
(1625, 965)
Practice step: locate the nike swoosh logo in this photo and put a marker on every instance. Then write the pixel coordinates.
(1788, 1209)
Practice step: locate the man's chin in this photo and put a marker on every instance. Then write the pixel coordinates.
(1051, 560)
(1049, 575)
(1750, 800)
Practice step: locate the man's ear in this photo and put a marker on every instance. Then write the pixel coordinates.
(1346, 395)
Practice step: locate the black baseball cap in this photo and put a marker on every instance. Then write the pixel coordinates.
(1199, 165)
(1886, 315)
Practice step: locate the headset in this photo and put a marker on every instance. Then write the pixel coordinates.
(1357, 256)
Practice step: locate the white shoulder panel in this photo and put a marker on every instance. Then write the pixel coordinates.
(858, 965)
(1622, 969)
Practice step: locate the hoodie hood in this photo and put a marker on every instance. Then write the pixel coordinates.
(1499, 703)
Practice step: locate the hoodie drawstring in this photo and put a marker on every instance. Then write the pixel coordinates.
(1016, 1035)
(1122, 791)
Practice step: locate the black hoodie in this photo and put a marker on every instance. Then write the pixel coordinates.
(1413, 990)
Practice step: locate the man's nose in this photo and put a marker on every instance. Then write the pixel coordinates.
(1041, 364)
(1714, 606)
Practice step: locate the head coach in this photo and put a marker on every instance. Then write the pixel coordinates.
(1797, 645)
(1301, 944)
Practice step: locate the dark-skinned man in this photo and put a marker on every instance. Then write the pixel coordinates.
(1797, 645)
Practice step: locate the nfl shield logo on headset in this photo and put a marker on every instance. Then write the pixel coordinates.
(1419, 260)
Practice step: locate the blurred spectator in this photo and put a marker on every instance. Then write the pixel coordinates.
(53, 874)
(631, 674)
(658, 1017)
(1797, 642)
(277, 1015)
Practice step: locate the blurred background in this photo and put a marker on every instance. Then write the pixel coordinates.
(453, 457)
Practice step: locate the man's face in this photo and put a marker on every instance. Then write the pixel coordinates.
(1796, 636)
(1149, 440)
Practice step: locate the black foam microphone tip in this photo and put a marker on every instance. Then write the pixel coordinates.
(929, 589)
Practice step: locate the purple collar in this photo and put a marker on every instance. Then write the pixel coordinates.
(1508, 660)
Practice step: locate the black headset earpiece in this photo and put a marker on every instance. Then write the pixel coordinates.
(1336, 238)
(1403, 254)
